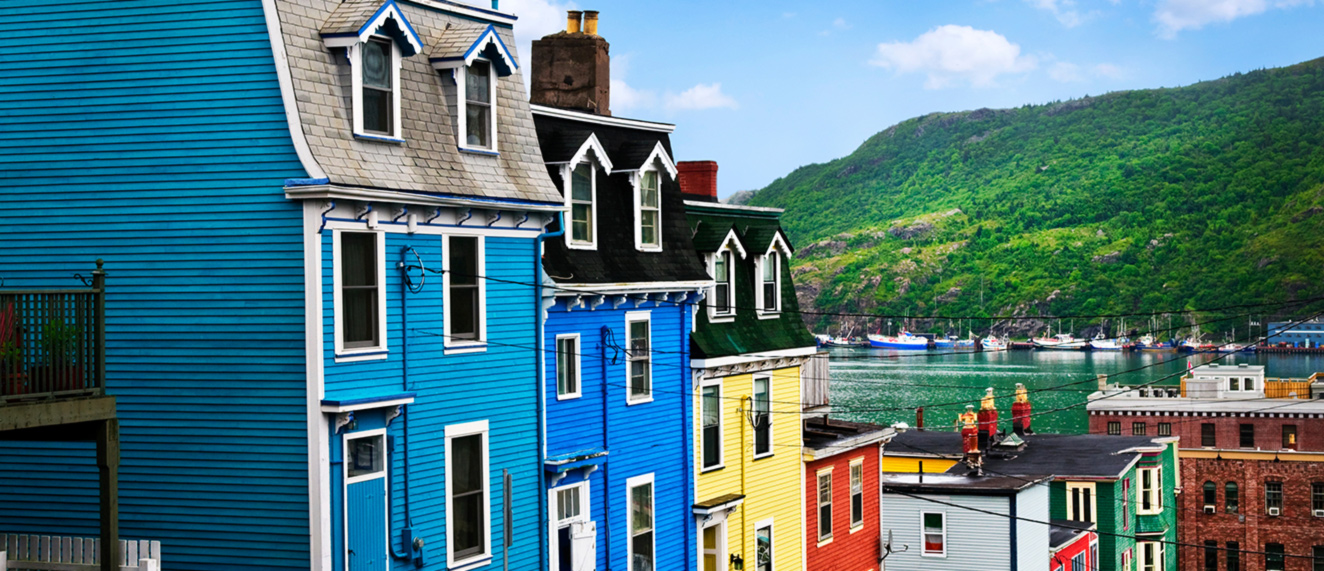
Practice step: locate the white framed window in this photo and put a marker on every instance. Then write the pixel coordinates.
(1151, 491)
(769, 288)
(572, 534)
(710, 425)
(582, 196)
(468, 497)
(824, 506)
(464, 304)
(763, 553)
(723, 272)
(856, 494)
(1151, 555)
(477, 95)
(359, 295)
(642, 543)
(376, 89)
(762, 416)
(1126, 560)
(639, 357)
(648, 210)
(1081, 501)
(567, 366)
(933, 530)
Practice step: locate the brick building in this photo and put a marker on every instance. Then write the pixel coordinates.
(1252, 464)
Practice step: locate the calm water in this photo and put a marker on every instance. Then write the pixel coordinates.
(884, 387)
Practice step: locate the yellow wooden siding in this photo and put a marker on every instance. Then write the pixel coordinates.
(899, 464)
(771, 484)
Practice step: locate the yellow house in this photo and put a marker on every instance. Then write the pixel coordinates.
(747, 350)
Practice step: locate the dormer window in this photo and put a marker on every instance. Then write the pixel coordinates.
(770, 283)
(479, 104)
(582, 189)
(474, 56)
(650, 212)
(377, 95)
(723, 285)
(374, 47)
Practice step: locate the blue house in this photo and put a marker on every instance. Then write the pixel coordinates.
(321, 222)
(622, 286)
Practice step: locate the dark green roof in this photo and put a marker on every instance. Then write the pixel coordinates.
(747, 333)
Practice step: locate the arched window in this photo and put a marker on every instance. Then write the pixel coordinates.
(1230, 497)
(1210, 495)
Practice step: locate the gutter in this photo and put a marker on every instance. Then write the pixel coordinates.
(540, 340)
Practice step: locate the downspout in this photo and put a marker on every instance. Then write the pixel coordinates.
(539, 337)
(606, 445)
(687, 399)
(406, 534)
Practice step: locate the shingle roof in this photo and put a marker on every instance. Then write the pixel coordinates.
(826, 437)
(429, 161)
(456, 39)
(1063, 532)
(350, 15)
(1063, 455)
(708, 237)
(954, 484)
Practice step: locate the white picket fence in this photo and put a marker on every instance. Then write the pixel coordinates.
(50, 553)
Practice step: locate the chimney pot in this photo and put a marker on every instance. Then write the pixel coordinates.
(591, 22)
(698, 180)
(572, 21)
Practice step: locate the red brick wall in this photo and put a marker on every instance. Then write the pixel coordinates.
(847, 551)
(1227, 429)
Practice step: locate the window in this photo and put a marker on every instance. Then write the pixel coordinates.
(1080, 506)
(1165, 429)
(824, 505)
(1248, 436)
(641, 523)
(1230, 499)
(1126, 560)
(567, 366)
(763, 546)
(650, 210)
(1151, 556)
(1317, 558)
(857, 493)
(1289, 436)
(712, 426)
(1233, 384)
(935, 533)
(1207, 438)
(359, 303)
(1211, 556)
(639, 357)
(583, 188)
(1317, 498)
(1273, 497)
(568, 503)
(569, 513)
(1233, 556)
(1138, 428)
(1114, 428)
(769, 283)
(1151, 490)
(376, 97)
(1210, 495)
(1248, 384)
(479, 99)
(466, 319)
(1094, 556)
(365, 455)
(1126, 503)
(1078, 562)
(722, 276)
(762, 416)
(468, 529)
(1274, 558)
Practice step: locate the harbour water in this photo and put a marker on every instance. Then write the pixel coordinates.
(885, 387)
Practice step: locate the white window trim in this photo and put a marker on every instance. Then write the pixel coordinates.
(630, 485)
(461, 104)
(721, 426)
(1156, 502)
(1094, 503)
(731, 243)
(924, 552)
(818, 505)
(854, 527)
(772, 536)
(452, 432)
(593, 154)
(452, 346)
(380, 351)
(356, 73)
(637, 181)
(585, 510)
(1157, 547)
(630, 318)
(772, 439)
(345, 481)
(778, 246)
(722, 557)
(579, 371)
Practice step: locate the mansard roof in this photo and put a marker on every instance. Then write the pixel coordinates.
(429, 161)
(461, 43)
(355, 20)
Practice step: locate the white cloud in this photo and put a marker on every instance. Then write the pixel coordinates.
(1176, 15)
(1065, 72)
(841, 24)
(624, 97)
(537, 18)
(1109, 71)
(950, 54)
(1064, 10)
(700, 97)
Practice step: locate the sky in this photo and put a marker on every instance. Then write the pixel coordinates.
(764, 87)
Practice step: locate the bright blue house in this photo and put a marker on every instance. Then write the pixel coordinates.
(623, 282)
(322, 222)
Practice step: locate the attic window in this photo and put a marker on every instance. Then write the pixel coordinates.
(479, 107)
(376, 89)
(770, 283)
(650, 212)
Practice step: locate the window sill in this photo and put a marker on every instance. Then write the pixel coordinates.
(764, 315)
(855, 528)
(721, 318)
(823, 542)
(934, 555)
(712, 468)
(471, 563)
(379, 138)
(569, 396)
(357, 355)
(581, 245)
(642, 400)
(758, 457)
(479, 151)
(648, 248)
(465, 349)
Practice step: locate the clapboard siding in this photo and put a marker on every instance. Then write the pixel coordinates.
(1031, 536)
(976, 541)
(644, 438)
(151, 133)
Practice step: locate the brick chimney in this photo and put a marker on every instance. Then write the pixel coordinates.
(571, 69)
(698, 180)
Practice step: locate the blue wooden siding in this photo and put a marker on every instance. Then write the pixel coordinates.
(498, 385)
(644, 438)
(151, 133)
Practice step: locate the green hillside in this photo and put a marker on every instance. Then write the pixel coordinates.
(1194, 197)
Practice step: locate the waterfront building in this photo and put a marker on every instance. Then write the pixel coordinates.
(321, 222)
(622, 280)
(960, 522)
(1293, 334)
(747, 350)
(842, 517)
(1252, 463)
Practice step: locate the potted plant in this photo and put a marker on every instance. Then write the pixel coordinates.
(60, 346)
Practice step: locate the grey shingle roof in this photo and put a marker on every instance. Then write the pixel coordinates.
(1063, 455)
(455, 40)
(429, 161)
(350, 15)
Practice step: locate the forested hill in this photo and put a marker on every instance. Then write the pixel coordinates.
(1193, 197)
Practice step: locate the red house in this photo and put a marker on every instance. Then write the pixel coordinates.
(842, 464)
(1072, 546)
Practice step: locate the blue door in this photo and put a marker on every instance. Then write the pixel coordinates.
(365, 502)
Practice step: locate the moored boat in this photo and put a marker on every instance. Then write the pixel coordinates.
(1101, 343)
(1060, 342)
(1149, 343)
(992, 343)
(904, 341)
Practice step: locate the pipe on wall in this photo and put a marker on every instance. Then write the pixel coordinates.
(604, 334)
(540, 343)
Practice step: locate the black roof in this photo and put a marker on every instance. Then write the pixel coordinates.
(616, 260)
(833, 436)
(956, 484)
(1064, 531)
(1063, 455)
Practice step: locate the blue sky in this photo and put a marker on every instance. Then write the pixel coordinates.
(765, 87)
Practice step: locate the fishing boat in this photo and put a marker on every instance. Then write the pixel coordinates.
(992, 343)
(1149, 343)
(842, 342)
(1060, 342)
(1101, 343)
(905, 341)
(967, 344)
(947, 342)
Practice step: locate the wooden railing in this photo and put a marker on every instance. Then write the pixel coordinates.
(53, 342)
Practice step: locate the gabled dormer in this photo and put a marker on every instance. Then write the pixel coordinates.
(376, 36)
(475, 58)
(646, 179)
(768, 270)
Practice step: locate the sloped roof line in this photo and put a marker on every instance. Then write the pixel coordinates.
(354, 21)
(458, 48)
